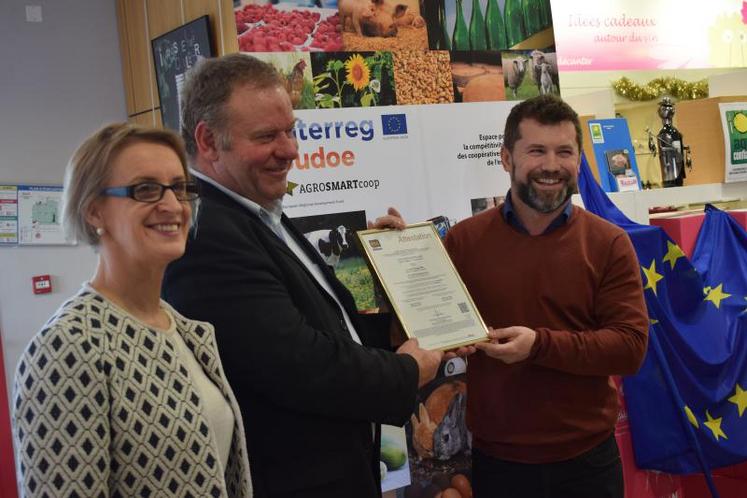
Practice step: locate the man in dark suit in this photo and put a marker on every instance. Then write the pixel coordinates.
(307, 370)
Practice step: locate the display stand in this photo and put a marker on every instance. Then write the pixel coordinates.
(684, 227)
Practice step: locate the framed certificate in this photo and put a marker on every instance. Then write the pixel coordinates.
(422, 286)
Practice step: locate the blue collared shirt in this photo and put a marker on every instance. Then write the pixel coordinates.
(509, 214)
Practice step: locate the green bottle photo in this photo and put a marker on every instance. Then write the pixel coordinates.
(545, 14)
(460, 39)
(514, 17)
(532, 21)
(477, 28)
(444, 42)
(494, 28)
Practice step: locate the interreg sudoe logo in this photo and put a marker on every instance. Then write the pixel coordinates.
(394, 124)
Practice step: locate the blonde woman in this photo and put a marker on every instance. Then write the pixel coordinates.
(118, 394)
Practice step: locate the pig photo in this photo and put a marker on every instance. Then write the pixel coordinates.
(382, 24)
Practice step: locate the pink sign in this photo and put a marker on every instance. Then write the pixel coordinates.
(667, 34)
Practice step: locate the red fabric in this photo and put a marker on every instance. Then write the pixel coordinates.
(694, 486)
(741, 217)
(8, 487)
(579, 287)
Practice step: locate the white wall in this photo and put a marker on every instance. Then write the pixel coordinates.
(735, 83)
(60, 80)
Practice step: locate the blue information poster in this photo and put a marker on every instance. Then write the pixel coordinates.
(613, 150)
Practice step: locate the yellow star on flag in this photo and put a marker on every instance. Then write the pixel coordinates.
(716, 295)
(673, 253)
(739, 399)
(653, 321)
(691, 416)
(652, 278)
(715, 425)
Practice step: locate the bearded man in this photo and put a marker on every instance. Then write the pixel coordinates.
(561, 291)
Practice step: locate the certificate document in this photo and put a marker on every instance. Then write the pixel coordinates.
(423, 287)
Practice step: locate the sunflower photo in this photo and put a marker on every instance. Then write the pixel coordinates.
(353, 79)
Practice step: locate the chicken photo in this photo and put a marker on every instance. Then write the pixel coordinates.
(294, 83)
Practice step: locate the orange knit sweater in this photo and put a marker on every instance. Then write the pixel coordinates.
(579, 287)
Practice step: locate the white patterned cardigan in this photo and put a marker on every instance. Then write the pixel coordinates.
(102, 407)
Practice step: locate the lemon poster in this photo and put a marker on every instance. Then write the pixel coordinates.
(734, 122)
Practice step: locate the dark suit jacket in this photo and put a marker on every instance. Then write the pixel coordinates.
(308, 393)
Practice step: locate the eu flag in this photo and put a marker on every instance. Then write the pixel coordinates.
(394, 124)
(687, 405)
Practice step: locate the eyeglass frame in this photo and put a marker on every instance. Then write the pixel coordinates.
(129, 191)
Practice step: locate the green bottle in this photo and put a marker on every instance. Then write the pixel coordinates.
(532, 22)
(545, 14)
(514, 17)
(444, 42)
(460, 39)
(494, 28)
(477, 28)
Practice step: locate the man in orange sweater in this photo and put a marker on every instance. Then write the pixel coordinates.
(561, 290)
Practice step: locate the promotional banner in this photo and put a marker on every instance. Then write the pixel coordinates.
(734, 123)
(352, 164)
(401, 103)
(667, 34)
(410, 157)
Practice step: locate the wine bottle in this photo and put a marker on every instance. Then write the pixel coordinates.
(431, 14)
(531, 10)
(514, 18)
(477, 28)
(444, 38)
(494, 28)
(460, 38)
(545, 14)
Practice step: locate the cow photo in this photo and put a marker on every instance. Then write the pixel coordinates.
(333, 237)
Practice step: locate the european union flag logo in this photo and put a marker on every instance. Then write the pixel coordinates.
(394, 124)
(688, 404)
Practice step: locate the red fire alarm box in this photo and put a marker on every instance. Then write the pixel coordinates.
(42, 284)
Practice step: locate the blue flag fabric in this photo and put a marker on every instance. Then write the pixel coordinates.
(687, 405)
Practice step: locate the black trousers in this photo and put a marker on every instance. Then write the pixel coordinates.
(594, 474)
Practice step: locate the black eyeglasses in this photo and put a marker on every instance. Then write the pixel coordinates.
(153, 192)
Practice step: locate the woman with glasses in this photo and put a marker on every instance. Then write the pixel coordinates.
(118, 394)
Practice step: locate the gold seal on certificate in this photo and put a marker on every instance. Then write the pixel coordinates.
(423, 287)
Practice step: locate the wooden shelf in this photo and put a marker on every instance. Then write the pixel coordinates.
(635, 205)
